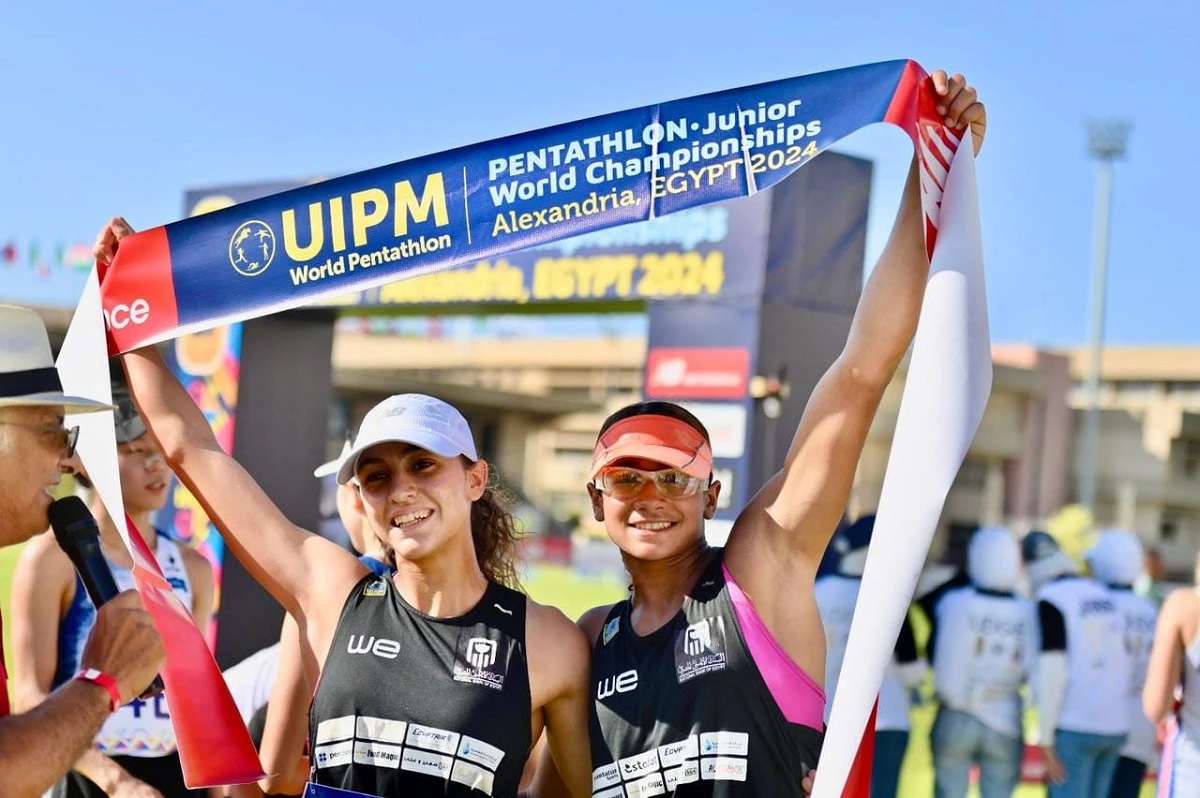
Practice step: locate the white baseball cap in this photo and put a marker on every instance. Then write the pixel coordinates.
(415, 418)
(28, 377)
(1117, 558)
(325, 469)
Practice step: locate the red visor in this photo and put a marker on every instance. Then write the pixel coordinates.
(662, 439)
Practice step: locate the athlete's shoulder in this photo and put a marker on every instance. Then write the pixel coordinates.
(548, 631)
(43, 556)
(547, 619)
(193, 558)
(592, 621)
(1183, 603)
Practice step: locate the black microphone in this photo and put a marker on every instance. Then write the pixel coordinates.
(77, 534)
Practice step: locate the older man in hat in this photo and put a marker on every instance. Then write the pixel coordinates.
(52, 616)
(123, 652)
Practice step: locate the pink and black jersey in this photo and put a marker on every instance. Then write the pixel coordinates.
(692, 709)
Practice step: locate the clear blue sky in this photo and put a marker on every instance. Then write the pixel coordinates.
(118, 107)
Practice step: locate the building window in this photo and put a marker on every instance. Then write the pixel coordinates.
(1138, 387)
(1189, 464)
(1177, 524)
(1168, 528)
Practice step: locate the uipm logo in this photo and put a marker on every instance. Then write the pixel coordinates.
(481, 652)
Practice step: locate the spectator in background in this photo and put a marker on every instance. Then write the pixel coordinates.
(982, 644)
(1082, 673)
(837, 595)
(1116, 560)
(1152, 582)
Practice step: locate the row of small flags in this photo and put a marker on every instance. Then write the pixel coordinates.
(45, 259)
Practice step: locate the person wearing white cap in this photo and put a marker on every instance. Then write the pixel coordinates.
(124, 652)
(1082, 676)
(438, 680)
(1174, 668)
(983, 644)
(1116, 560)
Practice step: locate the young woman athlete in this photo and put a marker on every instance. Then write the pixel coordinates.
(429, 684)
(707, 681)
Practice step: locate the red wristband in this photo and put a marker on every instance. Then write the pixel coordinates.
(105, 681)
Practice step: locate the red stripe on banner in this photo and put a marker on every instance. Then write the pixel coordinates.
(139, 296)
(858, 783)
(914, 109)
(215, 748)
(903, 110)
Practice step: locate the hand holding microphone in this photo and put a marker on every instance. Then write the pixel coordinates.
(124, 644)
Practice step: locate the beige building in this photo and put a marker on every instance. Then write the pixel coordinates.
(542, 400)
(537, 402)
(1148, 458)
(1015, 471)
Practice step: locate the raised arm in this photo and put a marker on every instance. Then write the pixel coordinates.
(293, 564)
(301, 570)
(795, 514)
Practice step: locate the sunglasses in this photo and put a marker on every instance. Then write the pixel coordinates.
(63, 438)
(624, 484)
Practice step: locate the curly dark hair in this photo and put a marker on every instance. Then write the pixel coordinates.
(495, 533)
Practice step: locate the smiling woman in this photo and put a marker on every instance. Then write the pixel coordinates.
(436, 680)
(708, 678)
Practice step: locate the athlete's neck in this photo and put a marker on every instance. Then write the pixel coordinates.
(376, 554)
(444, 585)
(660, 586)
(110, 539)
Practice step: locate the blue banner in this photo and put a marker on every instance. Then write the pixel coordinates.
(481, 202)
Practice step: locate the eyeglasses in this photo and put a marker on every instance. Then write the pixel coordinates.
(64, 438)
(624, 484)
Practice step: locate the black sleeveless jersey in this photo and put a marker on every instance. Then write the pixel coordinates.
(684, 711)
(410, 705)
